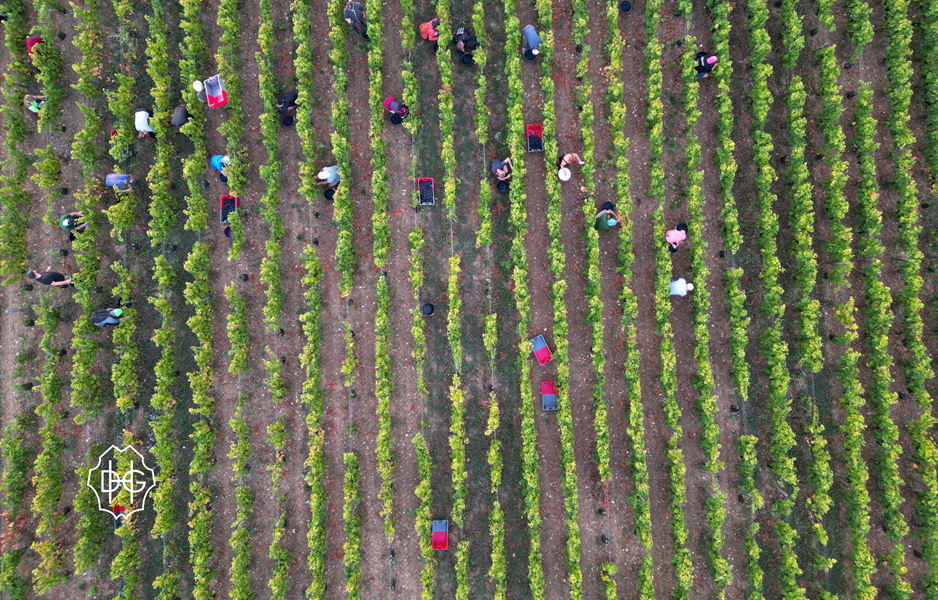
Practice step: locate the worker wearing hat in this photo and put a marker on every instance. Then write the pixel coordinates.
(70, 222)
(329, 176)
(199, 91)
(106, 317)
(606, 219)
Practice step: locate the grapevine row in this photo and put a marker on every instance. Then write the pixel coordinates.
(163, 202)
(240, 451)
(229, 67)
(85, 383)
(353, 531)
(338, 57)
(457, 438)
(48, 59)
(277, 436)
(447, 141)
(17, 456)
(121, 100)
(197, 294)
(270, 172)
(720, 568)
(683, 567)
(918, 368)
(163, 426)
(89, 40)
(379, 176)
(726, 167)
(838, 248)
(385, 457)
(124, 371)
(382, 233)
(312, 397)
(480, 55)
(858, 500)
(91, 529)
(519, 275)
(192, 65)
(876, 329)
(302, 41)
(928, 23)
(560, 328)
(13, 197)
(593, 286)
(127, 565)
(636, 419)
(746, 445)
(773, 345)
(822, 478)
(801, 221)
(48, 474)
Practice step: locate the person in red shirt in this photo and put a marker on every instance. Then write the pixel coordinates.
(429, 31)
(31, 43)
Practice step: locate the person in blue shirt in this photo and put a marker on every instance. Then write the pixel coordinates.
(680, 287)
(122, 182)
(219, 162)
(329, 176)
(533, 40)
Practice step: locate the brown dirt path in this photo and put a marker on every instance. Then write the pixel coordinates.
(582, 373)
(624, 549)
(737, 519)
(406, 405)
(553, 527)
(632, 26)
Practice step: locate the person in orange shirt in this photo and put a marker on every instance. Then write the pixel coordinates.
(429, 31)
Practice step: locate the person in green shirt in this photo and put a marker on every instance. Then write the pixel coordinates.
(71, 224)
(34, 103)
(606, 219)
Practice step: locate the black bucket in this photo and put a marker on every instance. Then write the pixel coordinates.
(428, 309)
(288, 121)
(529, 56)
(227, 232)
(396, 119)
(467, 59)
(329, 194)
(502, 186)
(625, 6)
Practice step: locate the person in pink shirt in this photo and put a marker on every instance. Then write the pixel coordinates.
(676, 237)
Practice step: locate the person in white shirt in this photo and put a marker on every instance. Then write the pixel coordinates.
(681, 287)
(142, 122)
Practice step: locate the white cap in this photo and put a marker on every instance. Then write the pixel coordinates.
(535, 52)
(690, 286)
(323, 174)
(564, 174)
(197, 86)
(226, 159)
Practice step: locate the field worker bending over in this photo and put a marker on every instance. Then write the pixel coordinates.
(105, 317)
(142, 123)
(532, 40)
(121, 181)
(676, 237)
(680, 287)
(329, 176)
(606, 219)
(705, 64)
(502, 168)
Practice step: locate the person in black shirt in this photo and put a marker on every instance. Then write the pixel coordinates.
(50, 278)
(704, 64)
(354, 14)
(180, 117)
(287, 101)
(465, 41)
